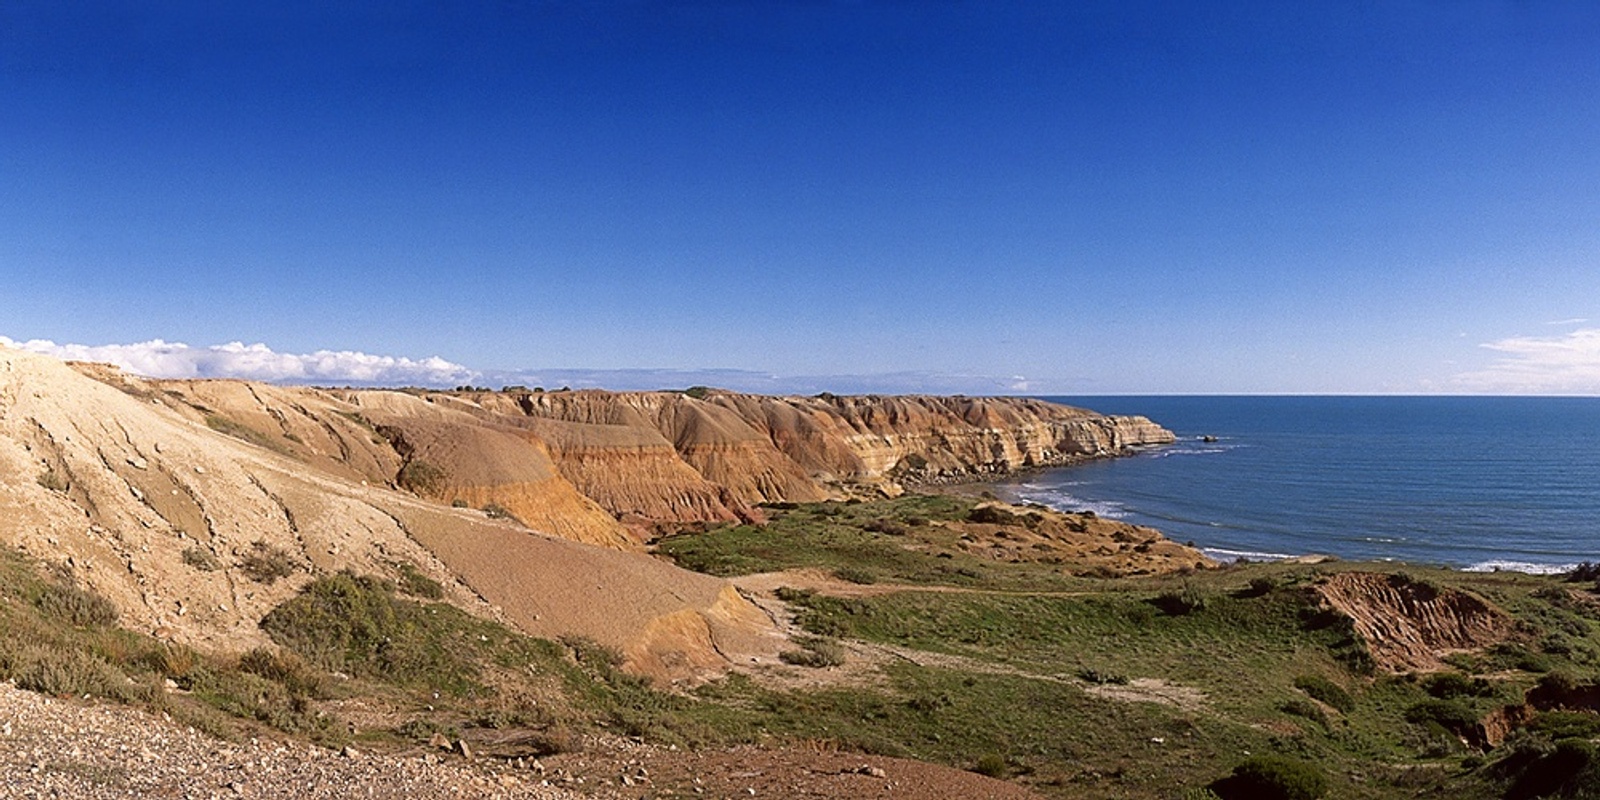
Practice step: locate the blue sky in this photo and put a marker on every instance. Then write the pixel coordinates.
(987, 197)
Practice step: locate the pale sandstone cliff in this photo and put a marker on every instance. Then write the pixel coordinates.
(158, 495)
(609, 468)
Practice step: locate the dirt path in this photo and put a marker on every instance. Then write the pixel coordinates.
(863, 665)
(821, 581)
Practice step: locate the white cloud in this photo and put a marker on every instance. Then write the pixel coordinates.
(1566, 364)
(1573, 321)
(258, 362)
(162, 359)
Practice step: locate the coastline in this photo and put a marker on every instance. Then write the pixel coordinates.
(996, 488)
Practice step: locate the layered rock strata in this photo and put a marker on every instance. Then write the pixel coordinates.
(609, 468)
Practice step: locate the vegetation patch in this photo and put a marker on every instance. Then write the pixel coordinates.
(814, 652)
(1273, 778)
(421, 477)
(52, 480)
(1327, 691)
(356, 624)
(243, 432)
(266, 563)
(201, 559)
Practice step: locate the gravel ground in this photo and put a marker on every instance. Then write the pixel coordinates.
(52, 748)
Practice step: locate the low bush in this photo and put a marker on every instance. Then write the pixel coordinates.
(77, 607)
(814, 652)
(201, 559)
(1179, 603)
(1320, 688)
(58, 671)
(886, 527)
(1272, 778)
(993, 765)
(1305, 709)
(1260, 587)
(855, 575)
(420, 477)
(1100, 678)
(355, 624)
(267, 563)
(1585, 572)
(286, 668)
(1450, 715)
(1566, 724)
(497, 511)
(413, 582)
(1451, 685)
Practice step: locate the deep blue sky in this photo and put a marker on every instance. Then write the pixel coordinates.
(1117, 197)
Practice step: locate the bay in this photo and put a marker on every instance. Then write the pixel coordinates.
(1469, 482)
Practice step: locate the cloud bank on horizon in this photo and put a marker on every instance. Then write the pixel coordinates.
(1565, 364)
(1568, 364)
(258, 362)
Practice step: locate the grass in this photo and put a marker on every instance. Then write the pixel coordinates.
(901, 541)
(1280, 674)
(239, 430)
(1006, 680)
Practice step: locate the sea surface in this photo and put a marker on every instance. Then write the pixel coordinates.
(1469, 482)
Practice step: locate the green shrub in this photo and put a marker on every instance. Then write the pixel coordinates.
(1451, 715)
(1179, 603)
(1567, 724)
(77, 607)
(814, 652)
(887, 527)
(1272, 778)
(855, 575)
(415, 583)
(993, 765)
(1305, 709)
(1320, 688)
(286, 668)
(1538, 769)
(57, 671)
(1451, 685)
(251, 696)
(1261, 586)
(355, 624)
(237, 430)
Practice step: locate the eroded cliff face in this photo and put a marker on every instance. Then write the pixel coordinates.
(612, 468)
(161, 496)
(767, 449)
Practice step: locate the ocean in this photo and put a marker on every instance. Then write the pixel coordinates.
(1469, 482)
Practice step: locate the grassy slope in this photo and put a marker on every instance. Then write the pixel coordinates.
(1246, 637)
(1004, 675)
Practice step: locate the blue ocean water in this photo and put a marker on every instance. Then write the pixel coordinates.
(1469, 482)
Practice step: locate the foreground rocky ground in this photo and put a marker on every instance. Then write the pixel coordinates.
(69, 749)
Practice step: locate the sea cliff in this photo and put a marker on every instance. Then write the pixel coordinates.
(615, 468)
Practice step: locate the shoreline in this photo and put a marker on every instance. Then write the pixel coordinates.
(987, 489)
